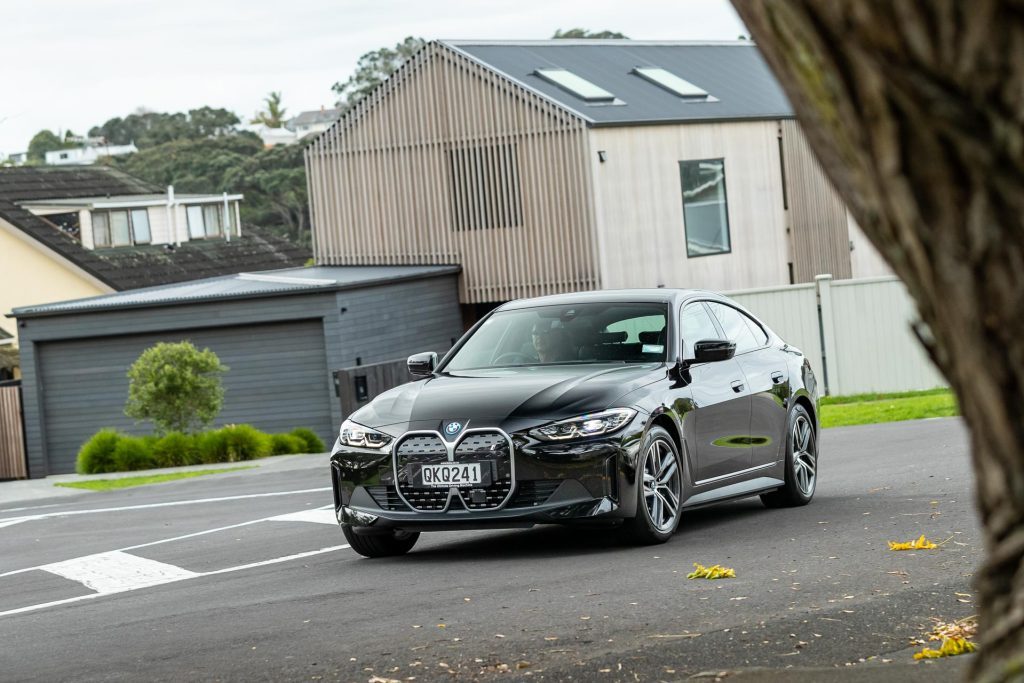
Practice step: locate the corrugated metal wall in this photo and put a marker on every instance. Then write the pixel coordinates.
(449, 162)
(817, 215)
(12, 439)
(862, 340)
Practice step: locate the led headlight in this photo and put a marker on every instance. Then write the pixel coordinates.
(605, 422)
(357, 435)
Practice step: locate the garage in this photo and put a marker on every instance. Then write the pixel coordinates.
(282, 335)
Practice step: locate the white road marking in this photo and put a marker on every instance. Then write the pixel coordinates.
(174, 503)
(320, 516)
(117, 571)
(191, 575)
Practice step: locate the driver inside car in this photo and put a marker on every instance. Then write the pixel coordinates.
(551, 342)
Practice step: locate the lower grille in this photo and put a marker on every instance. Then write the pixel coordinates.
(420, 449)
(386, 497)
(491, 447)
(533, 492)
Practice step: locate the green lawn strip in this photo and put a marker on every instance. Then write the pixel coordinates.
(128, 482)
(899, 407)
(861, 398)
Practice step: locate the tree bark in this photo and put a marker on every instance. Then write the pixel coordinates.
(916, 112)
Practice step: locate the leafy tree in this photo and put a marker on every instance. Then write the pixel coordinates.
(275, 180)
(177, 386)
(148, 128)
(913, 110)
(584, 33)
(273, 115)
(373, 69)
(208, 122)
(42, 142)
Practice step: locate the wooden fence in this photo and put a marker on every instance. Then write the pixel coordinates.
(12, 436)
(357, 386)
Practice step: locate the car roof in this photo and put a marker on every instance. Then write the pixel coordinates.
(660, 295)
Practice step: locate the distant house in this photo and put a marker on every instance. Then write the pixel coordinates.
(17, 158)
(551, 166)
(73, 232)
(312, 122)
(271, 137)
(88, 153)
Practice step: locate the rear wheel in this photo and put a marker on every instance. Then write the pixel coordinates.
(801, 463)
(660, 491)
(380, 545)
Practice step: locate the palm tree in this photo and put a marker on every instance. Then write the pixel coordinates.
(273, 115)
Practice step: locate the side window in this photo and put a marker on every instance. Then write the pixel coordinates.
(696, 325)
(735, 326)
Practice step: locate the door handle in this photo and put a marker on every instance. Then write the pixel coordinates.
(737, 386)
(777, 377)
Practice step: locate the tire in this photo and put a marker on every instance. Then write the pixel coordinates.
(659, 484)
(380, 545)
(801, 463)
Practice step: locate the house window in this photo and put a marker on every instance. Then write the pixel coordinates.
(207, 220)
(705, 207)
(120, 228)
(485, 187)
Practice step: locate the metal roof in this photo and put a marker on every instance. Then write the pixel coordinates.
(241, 286)
(733, 73)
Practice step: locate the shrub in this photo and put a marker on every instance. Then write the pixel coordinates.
(234, 443)
(312, 442)
(176, 449)
(177, 386)
(284, 444)
(131, 453)
(97, 454)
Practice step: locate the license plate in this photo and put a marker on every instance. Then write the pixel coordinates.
(450, 474)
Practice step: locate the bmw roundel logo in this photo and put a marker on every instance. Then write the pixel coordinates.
(452, 428)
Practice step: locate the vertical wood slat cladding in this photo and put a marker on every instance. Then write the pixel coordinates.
(449, 162)
(818, 222)
(12, 440)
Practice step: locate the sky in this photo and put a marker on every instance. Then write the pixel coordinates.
(73, 64)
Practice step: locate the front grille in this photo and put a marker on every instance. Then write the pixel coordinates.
(420, 450)
(533, 492)
(386, 497)
(490, 447)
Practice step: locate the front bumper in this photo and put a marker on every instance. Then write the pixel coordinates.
(553, 483)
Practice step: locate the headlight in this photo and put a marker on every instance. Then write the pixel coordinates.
(353, 434)
(605, 422)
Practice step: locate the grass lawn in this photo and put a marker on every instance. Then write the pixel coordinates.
(127, 482)
(841, 411)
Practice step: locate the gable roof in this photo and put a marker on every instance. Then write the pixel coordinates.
(733, 73)
(245, 285)
(315, 116)
(28, 183)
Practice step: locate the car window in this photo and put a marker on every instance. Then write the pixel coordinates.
(696, 325)
(735, 326)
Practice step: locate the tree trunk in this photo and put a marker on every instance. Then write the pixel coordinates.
(916, 112)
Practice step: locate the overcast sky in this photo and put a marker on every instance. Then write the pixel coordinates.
(73, 64)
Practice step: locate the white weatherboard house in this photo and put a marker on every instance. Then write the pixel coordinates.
(551, 166)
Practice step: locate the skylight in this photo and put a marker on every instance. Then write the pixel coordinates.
(578, 86)
(669, 81)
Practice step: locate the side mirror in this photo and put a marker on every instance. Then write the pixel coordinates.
(713, 350)
(422, 364)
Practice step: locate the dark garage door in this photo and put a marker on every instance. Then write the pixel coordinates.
(277, 381)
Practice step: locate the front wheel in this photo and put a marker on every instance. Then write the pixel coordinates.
(801, 463)
(380, 545)
(660, 490)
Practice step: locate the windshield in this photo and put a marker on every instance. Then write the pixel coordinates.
(576, 333)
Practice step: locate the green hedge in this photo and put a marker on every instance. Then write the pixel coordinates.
(111, 451)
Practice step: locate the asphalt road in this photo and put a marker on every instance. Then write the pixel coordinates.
(197, 580)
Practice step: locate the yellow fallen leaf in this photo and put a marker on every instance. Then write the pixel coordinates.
(715, 571)
(951, 647)
(921, 543)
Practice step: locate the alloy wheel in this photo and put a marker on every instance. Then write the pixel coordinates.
(662, 485)
(804, 458)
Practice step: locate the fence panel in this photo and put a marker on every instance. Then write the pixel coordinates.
(792, 313)
(875, 348)
(12, 438)
(358, 385)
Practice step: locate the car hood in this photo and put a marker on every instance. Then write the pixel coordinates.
(495, 395)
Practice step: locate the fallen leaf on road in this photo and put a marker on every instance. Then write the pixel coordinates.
(951, 647)
(378, 679)
(965, 628)
(676, 635)
(921, 543)
(715, 571)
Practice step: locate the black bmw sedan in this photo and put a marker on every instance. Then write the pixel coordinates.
(615, 407)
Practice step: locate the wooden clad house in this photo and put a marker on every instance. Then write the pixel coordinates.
(552, 166)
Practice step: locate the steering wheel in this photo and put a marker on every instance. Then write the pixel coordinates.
(511, 357)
